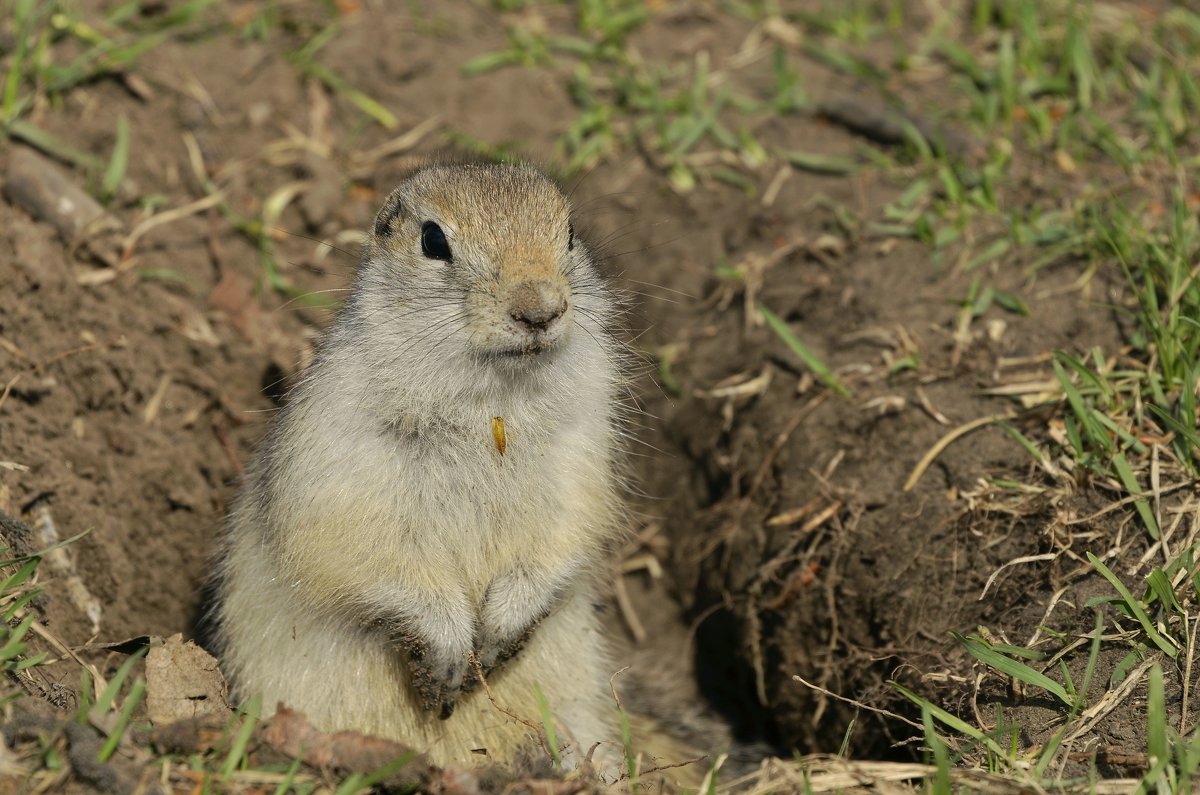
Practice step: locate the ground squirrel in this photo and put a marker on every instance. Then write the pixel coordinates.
(440, 484)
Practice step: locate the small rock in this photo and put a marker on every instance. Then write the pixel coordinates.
(183, 681)
(41, 188)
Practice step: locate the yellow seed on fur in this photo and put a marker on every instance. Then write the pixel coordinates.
(498, 434)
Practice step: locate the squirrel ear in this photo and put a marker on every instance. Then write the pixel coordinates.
(391, 209)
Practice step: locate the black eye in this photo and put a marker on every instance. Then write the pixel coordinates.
(433, 242)
(570, 237)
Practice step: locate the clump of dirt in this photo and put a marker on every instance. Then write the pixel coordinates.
(795, 538)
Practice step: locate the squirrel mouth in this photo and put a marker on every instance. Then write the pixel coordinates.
(532, 347)
(529, 351)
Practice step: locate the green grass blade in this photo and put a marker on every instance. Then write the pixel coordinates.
(1094, 435)
(819, 164)
(365, 781)
(630, 758)
(289, 777)
(1024, 441)
(44, 141)
(1093, 657)
(953, 721)
(105, 702)
(20, 575)
(548, 725)
(42, 553)
(1135, 606)
(314, 45)
(23, 18)
(14, 647)
(941, 756)
(844, 748)
(1141, 504)
(237, 751)
(1130, 441)
(16, 606)
(490, 61)
(1160, 586)
(1017, 651)
(811, 361)
(30, 662)
(1185, 433)
(366, 104)
(136, 692)
(115, 173)
(1010, 667)
(85, 695)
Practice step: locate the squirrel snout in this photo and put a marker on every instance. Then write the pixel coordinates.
(535, 305)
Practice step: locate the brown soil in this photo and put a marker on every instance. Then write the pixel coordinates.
(150, 391)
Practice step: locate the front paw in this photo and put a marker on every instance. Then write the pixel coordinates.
(513, 606)
(437, 678)
(494, 649)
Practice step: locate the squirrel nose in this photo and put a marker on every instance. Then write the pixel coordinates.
(537, 304)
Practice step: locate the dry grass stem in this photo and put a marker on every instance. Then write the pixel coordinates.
(1014, 562)
(858, 704)
(1109, 701)
(628, 612)
(946, 441)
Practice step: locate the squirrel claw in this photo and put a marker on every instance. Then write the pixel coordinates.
(437, 685)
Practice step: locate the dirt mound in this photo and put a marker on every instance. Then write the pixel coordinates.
(794, 533)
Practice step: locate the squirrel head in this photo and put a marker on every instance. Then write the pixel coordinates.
(487, 251)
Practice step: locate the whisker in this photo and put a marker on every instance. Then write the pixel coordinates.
(288, 304)
(317, 240)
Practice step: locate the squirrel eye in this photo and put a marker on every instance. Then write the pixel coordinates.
(433, 242)
(570, 237)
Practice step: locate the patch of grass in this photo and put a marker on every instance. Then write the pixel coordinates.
(259, 231)
(16, 592)
(132, 700)
(56, 51)
(993, 657)
(1133, 608)
(1171, 757)
(305, 60)
(682, 113)
(1104, 102)
(1160, 264)
(1035, 76)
